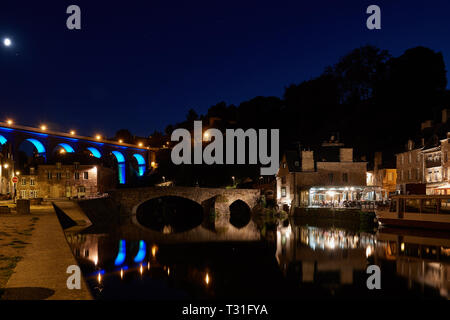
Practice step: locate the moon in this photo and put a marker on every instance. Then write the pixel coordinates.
(7, 42)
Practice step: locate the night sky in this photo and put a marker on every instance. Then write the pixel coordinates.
(142, 64)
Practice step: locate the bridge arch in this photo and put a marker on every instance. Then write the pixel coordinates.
(94, 152)
(120, 166)
(66, 147)
(141, 164)
(37, 145)
(240, 213)
(169, 214)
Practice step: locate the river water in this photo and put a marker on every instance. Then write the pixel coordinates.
(273, 258)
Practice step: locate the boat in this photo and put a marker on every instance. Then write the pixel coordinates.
(416, 211)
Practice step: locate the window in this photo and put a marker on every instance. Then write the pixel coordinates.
(409, 174)
(345, 177)
(86, 175)
(49, 175)
(58, 165)
(32, 182)
(283, 180)
(283, 192)
(330, 177)
(77, 176)
(31, 170)
(24, 181)
(67, 174)
(409, 157)
(58, 176)
(81, 189)
(23, 194)
(284, 165)
(77, 165)
(297, 163)
(33, 193)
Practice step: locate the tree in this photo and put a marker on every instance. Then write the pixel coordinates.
(125, 135)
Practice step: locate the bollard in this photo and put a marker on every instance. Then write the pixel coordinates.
(23, 206)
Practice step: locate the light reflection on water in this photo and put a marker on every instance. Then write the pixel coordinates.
(324, 261)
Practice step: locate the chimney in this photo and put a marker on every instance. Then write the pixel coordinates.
(378, 159)
(307, 160)
(426, 124)
(346, 154)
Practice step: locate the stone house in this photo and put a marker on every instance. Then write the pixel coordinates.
(326, 176)
(65, 181)
(383, 179)
(410, 167)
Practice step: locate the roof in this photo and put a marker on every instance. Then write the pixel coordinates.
(293, 158)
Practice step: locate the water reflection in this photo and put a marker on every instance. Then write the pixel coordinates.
(267, 259)
(331, 256)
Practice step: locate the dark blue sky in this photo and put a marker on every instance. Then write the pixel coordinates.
(142, 64)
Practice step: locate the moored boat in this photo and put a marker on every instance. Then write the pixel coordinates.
(417, 211)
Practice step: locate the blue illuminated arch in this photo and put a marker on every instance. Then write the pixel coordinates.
(38, 145)
(141, 163)
(122, 253)
(2, 140)
(95, 152)
(119, 156)
(66, 147)
(121, 166)
(142, 252)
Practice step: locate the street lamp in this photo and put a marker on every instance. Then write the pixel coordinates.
(7, 42)
(43, 127)
(9, 122)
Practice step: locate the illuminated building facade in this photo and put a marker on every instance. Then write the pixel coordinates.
(328, 176)
(65, 181)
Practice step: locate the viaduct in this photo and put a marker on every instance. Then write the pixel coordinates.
(45, 143)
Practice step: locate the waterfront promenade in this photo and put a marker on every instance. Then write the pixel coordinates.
(41, 273)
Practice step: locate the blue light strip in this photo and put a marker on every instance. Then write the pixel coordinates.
(122, 253)
(38, 145)
(142, 252)
(2, 140)
(121, 171)
(66, 147)
(95, 152)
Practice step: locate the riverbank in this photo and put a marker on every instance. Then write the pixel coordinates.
(36, 264)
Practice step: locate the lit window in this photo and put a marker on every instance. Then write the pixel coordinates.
(58, 176)
(24, 181)
(32, 182)
(283, 192)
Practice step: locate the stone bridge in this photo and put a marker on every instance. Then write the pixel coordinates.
(217, 199)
